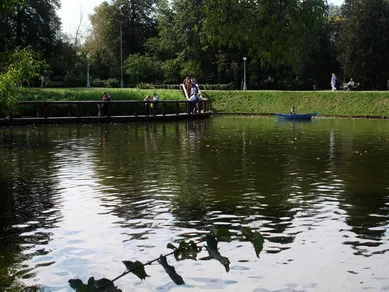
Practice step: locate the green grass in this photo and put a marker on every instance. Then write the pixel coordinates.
(52, 94)
(349, 103)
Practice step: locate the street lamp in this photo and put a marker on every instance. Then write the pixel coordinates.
(87, 71)
(121, 49)
(244, 73)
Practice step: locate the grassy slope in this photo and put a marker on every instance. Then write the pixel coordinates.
(357, 103)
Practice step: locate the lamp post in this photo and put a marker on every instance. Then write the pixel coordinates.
(121, 56)
(121, 50)
(87, 71)
(244, 73)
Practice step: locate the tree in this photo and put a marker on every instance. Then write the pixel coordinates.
(22, 64)
(33, 24)
(279, 33)
(364, 42)
(143, 68)
(135, 17)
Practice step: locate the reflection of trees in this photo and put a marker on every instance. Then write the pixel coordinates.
(365, 173)
(219, 171)
(27, 193)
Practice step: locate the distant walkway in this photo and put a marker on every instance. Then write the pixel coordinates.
(58, 112)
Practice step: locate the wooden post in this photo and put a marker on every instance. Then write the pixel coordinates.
(45, 110)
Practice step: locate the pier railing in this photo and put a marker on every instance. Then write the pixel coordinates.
(117, 108)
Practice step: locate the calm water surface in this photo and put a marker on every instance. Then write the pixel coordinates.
(77, 200)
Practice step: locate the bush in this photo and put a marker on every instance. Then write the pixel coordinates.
(97, 82)
(111, 82)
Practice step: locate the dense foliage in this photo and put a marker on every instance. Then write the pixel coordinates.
(289, 44)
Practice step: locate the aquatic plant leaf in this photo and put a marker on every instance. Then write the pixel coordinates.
(211, 241)
(78, 285)
(171, 271)
(214, 253)
(185, 250)
(102, 285)
(137, 268)
(255, 238)
(171, 246)
(222, 233)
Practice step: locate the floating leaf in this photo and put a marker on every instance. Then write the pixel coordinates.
(78, 285)
(102, 285)
(171, 246)
(214, 253)
(255, 238)
(185, 250)
(211, 241)
(137, 268)
(222, 233)
(171, 271)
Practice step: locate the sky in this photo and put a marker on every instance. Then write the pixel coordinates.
(72, 9)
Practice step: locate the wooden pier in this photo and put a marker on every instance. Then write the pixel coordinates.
(118, 111)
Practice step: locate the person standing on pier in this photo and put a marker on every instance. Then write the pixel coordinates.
(154, 105)
(106, 97)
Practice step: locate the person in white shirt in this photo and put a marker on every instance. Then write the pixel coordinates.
(193, 99)
(350, 84)
(154, 105)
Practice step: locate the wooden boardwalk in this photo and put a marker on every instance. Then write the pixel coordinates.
(60, 112)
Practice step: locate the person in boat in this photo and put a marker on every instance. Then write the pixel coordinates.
(293, 110)
(148, 104)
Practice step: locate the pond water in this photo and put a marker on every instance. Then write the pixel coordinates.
(77, 200)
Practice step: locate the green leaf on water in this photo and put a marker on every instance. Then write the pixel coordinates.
(214, 253)
(78, 285)
(185, 250)
(171, 246)
(222, 233)
(171, 271)
(102, 285)
(137, 268)
(211, 241)
(255, 238)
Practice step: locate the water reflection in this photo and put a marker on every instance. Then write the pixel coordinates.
(75, 198)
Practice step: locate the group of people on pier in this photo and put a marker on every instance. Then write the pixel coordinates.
(151, 107)
(189, 87)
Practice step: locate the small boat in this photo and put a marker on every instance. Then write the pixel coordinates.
(294, 116)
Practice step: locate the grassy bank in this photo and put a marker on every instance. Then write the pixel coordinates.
(349, 103)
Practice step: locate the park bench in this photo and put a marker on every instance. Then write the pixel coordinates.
(57, 83)
(344, 86)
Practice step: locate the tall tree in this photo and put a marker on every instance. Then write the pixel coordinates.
(278, 32)
(34, 24)
(364, 42)
(136, 20)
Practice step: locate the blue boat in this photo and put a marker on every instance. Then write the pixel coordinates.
(294, 116)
